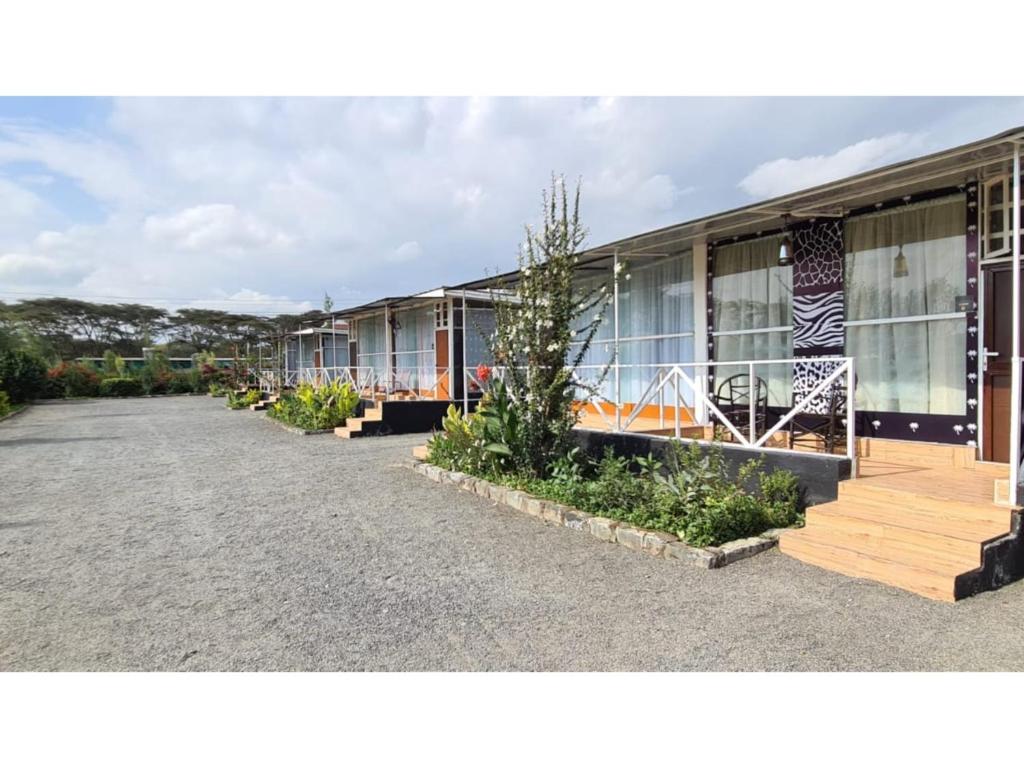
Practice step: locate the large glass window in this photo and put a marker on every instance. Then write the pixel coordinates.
(904, 270)
(753, 312)
(414, 346)
(655, 323)
(371, 345)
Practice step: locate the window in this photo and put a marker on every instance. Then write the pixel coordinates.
(997, 218)
(414, 347)
(441, 315)
(371, 350)
(904, 270)
(655, 323)
(753, 312)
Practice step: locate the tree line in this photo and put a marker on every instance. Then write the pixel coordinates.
(62, 328)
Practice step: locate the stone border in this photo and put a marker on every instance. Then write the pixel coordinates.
(654, 543)
(25, 407)
(289, 427)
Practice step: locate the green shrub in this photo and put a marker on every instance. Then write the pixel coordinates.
(72, 380)
(5, 404)
(180, 383)
(22, 375)
(122, 386)
(239, 400)
(114, 365)
(311, 407)
(155, 374)
(690, 494)
(217, 389)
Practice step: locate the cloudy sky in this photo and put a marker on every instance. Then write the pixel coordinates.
(263, 205)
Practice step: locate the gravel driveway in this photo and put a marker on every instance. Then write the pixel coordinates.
(173, 534)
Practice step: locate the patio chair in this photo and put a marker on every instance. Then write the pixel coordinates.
(733, 398)
(821, 424)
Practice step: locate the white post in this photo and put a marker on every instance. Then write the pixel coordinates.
(752, 406)
(465, 373)
(298, 369)
(700, 327)
(389, 378)
(615, 316)
(1015, 386)
(851, 436)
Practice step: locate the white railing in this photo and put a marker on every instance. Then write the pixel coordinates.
(676, 389)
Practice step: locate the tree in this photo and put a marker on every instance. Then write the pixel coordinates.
(328, 302)
(544, 328)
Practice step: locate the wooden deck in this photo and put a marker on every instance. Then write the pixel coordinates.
(921, 524)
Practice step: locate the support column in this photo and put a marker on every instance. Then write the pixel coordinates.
(388, 345)
(615, 347)
(1015, 386)
(701, 339)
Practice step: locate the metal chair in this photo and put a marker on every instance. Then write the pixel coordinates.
(733, 398)
(822, 422)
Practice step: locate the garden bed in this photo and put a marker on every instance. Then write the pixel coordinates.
(653, 543)
(296, 430)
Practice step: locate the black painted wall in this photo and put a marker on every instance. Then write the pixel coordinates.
(819, 474)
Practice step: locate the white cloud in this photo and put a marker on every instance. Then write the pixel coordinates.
(218, 227)
(32, 269)
(777, 177)
(409, 251)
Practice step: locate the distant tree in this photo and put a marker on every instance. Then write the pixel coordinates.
(328, 302)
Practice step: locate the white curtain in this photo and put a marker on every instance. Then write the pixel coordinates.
(917, 366)
(414, 347)
(751, 292)
(371, 343)
(656, 300)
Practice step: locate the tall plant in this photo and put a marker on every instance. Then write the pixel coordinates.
(544, 327)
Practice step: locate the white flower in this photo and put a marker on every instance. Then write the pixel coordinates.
(619, 267)
(628, 276)
(552, 347)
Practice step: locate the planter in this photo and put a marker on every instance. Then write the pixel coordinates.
(652, 543)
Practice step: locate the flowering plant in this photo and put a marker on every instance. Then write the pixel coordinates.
(544, 327)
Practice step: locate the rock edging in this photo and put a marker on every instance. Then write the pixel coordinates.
(653, 543)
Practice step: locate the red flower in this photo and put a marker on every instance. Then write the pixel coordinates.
(483, 372)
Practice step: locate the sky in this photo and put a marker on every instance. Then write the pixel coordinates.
(265, 205)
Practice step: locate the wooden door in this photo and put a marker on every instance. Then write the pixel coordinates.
(443, 377)
(997, 362)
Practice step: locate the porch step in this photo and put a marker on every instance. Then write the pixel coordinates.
(354, 426)
(927, 531)
(821, 549)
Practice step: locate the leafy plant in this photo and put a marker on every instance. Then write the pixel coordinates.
(543, 331)
(72, 380)
(500, 426)
(317, 407)
(22, 374)
(5, 404)
(181, 383)
(114, 365)
(120, 387)
(240, 400)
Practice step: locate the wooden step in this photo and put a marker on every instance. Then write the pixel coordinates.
(818, 548)
(890, 539)
(899, 501)
(373, 414)
(944, 521)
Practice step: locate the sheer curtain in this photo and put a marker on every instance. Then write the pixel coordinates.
(908, 366)
(370, 344)
(414, 346)
(656, 301)
(751, 293)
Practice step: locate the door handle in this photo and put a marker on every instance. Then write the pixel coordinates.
(990, 354)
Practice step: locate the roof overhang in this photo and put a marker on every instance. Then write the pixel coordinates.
(959, 165)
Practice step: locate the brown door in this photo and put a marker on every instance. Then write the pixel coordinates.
(997, 362)
(441, 361)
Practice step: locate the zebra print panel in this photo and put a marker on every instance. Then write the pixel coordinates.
(818, 321)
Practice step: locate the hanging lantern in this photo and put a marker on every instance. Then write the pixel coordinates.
(899, 264)
(786, 246)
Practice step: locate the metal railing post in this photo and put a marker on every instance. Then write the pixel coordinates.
(851, 437)
(752, 407)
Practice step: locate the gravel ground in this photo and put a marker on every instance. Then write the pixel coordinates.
(173, 534)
